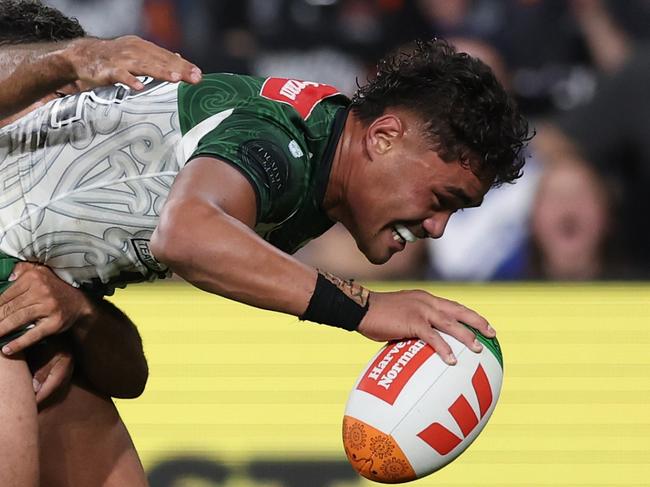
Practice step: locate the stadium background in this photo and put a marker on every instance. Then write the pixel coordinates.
(240, 397)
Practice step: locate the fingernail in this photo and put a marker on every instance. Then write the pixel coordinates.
(12, 277)
(451, 359)
(491, 330)
(36, 384)
(175, 76)
(195, 76)
(7, 350)
(476, 345)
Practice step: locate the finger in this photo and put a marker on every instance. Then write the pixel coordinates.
(442, 348)
(59, 374)
(123, 76)
(8, 338)
(475, 320)
(17, 288)
(21, 315)
(457, 330)
(160, 72)
(32, 336)
(20, 268)
(194, 76)
(175, 63)
(44, 370)
(172, 72)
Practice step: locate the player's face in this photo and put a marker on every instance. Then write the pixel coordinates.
(410, 193)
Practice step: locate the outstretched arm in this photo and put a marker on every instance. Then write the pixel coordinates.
(205, 235)
(28, 72)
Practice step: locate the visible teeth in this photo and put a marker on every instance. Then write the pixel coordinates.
(405, 233)
(397, 237)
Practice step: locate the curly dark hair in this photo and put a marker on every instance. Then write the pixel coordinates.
(469, 117)
(24, 21)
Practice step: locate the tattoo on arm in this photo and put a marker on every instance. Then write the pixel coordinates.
(356, 292)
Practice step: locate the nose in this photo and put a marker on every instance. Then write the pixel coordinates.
(436, 224)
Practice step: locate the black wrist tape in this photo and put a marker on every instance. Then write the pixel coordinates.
(331, 306)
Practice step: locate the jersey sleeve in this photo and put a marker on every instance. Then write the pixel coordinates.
(272, 161)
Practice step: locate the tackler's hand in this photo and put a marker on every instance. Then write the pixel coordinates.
(38, 304)
(52, 365)
(418, 314)
(99, 62)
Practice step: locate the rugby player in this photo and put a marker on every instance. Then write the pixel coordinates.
(222, 180)
(108, 346)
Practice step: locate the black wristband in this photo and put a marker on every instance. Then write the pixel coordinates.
(331, 306)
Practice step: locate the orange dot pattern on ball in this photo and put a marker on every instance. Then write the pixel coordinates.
(374, 454)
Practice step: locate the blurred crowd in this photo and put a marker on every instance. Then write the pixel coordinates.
(580, 70)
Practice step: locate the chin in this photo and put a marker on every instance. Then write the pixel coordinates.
(378, 258)
(375, 254)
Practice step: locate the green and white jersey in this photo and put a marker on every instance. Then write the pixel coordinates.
(85, 177)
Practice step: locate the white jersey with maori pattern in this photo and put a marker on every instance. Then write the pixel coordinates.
(84, 180)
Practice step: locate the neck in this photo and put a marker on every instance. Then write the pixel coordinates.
(338, 185)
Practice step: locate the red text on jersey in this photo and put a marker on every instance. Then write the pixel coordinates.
(303, 96)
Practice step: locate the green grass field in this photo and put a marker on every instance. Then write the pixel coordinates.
(232, 384)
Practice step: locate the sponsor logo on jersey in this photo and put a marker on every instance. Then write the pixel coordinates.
(268, 161)
(303, 96)
(392, 369)
(141, 247)
(444, 441)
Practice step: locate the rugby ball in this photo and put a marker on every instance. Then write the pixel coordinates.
(411, 414)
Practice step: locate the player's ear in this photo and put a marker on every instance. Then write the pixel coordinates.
(382, 134)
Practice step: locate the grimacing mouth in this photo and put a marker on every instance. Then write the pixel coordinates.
(402, 234)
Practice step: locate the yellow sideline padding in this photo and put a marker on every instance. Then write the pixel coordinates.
(234, 383)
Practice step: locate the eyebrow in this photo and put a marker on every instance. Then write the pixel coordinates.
(463, 197)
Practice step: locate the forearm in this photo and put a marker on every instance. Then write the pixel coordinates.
(108, 350)
(221, 255)
(29, 72)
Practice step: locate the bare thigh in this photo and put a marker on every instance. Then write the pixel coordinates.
(19, 432)
(85, 443)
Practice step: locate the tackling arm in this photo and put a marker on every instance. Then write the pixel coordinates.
(29, 72)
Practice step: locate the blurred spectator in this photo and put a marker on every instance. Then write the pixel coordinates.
(611, 133)
(553, 47)
(570, 225)
(102, 18)
(333, 42)
(160, 23)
